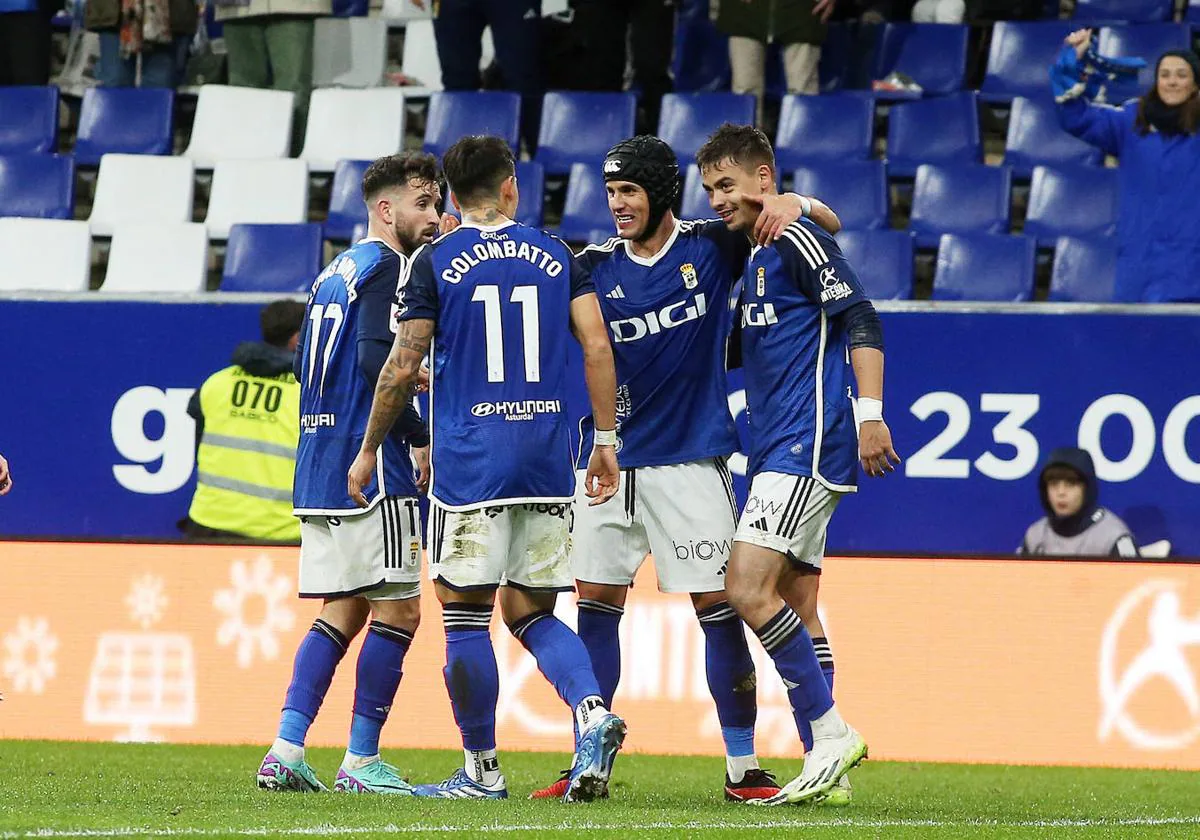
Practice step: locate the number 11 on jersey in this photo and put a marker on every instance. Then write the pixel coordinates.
(527, 297)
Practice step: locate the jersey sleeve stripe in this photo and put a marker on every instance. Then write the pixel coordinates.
(802, 248)
(806, 235)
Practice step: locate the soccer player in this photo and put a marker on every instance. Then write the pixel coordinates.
(360, 560)
(495, 300)
(664, 287)
(805, 322)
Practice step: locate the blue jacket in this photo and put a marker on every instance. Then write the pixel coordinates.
(1158, 203)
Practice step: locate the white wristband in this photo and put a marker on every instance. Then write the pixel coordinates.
(605, 438)
(869, 408)
(805, 207)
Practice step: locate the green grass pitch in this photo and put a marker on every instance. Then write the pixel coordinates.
(50, 789)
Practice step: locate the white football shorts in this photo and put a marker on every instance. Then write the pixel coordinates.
(522, 545)
(683, 514)
(375, 553)
(789, 514)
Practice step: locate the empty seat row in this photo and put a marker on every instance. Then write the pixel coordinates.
(43, 255)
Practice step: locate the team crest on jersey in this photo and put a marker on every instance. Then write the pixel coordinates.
(762, 281)
(689, 276)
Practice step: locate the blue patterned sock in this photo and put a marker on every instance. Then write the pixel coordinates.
(564, 661)
(379, 669)
(316, 659)
(472, 678)
(731, 677)
(787, 641)
(825, 658)
(599, 624)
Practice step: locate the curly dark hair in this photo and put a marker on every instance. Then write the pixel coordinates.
(745, 145)
(399, 171)
(476, 166)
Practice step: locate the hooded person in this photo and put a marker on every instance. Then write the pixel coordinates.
(1075, 525)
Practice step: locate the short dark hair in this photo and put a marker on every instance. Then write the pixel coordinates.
(745, 145)
(1062, 472)
(280, 320)
(476, 166)
(398, 171)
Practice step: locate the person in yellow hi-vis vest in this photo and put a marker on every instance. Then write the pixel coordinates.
(247, 426)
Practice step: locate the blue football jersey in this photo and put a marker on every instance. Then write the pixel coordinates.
(500, 297)
(669, 319)
(797, 358)
(351, 302)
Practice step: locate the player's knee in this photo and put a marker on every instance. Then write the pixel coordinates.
(404, 613)
(744, 594)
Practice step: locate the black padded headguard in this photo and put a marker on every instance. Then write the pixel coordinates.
(650, 163)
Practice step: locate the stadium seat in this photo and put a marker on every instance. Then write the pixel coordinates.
(453, 114)
(237, 123)
(934, 55)
(687, 119)
(984, 267)
(1146, 41)
(695, 201)
(586, 206)
(346, 207)
(258, 192)
(964, 198)
(272, 258)
(157, 258)
(28, 120)
(836, 69)
(141, 188)
(700, 59)
(1192, 15)
(399, 11)
(833, 127)
(133, 121)
(1131, 11)
(419, 63)
(1084, 270)
(360, 232)
(44, 255)
(941, 130)
(858, 187)
(349, 51)
(883, 260)
(37, 186)
(1036, 138)
(531, 182)
(1020, 57)
(352, 125)
(1071, 201)
(582, 127)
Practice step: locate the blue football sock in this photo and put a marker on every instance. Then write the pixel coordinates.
(825, 658)
(563, 660)
(379, 669)
(787, 641)
(472, 678)
(731, 677)
(316, 659)
(599, 624)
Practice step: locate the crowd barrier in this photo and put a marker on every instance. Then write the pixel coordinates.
(1027, 662)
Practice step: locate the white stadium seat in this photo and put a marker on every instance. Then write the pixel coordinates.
(257, 192)
(157, 258)
(349, 52)
(420, 62)
(44, 255)
(237, 123)
(353, 125)
(141, 188)
(400, 11)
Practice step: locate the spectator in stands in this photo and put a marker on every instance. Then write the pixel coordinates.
(1074, 524)
(939, 11)
(269, 44)
(1156, 140)
(25, 41)
(5, 477)
(247, 426)
(157, 31)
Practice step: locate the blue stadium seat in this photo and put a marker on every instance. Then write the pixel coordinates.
(1020, 57)
(940, 130)
(686, 119)
(586, 206)
(1084, 270)
(984, 267)
(701, 56)
(1132, 11)
(531, 181)
(836, 70)
(455, 114)
(1192, 15)
(1035, 137)
(966, 198)
(582, 127)
(833, 127)
(132, 121)
(1071, 201)
(933, 54)
(272, 258)
(883, 260)
(346, 207)
(28, 120)
(857, 187)
(695, 201)
(1146, 41)
(37, 186)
